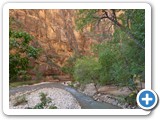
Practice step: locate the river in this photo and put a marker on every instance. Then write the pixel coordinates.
(85, 101)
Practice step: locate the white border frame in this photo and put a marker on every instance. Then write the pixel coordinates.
(8, 6)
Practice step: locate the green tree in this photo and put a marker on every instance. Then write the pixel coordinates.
(123, 57)
(86, 70)
(20, 53)
(132, 21)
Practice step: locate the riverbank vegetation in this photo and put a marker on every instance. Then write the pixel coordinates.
(104, 47)
(119, 60)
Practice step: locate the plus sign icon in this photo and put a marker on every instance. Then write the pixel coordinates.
(147, 99)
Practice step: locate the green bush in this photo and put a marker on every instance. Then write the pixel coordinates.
(121, 58)
(45, 101)
(69, 65)
(120, 62)
(86, 70)
(131, 99)
(20, 100)
(114, 70)
(114, 63)
(20, 53)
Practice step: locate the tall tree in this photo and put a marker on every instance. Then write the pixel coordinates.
(123, 57)
(132, 22)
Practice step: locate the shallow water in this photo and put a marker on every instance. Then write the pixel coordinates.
(85, 101)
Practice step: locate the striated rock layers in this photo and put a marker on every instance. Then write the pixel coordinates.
(54, 32)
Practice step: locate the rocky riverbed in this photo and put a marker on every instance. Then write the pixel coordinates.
(55, 96)
(107, 94)
(59, 98)
(62, 96)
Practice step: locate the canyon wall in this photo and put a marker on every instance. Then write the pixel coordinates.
(55, 33)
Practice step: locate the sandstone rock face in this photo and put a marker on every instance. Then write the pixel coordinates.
(90, 89)
(106, 88)
(49, 28)
(54, 31)
(113, 90)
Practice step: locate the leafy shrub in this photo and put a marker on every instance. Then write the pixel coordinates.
(69, 65)
(131, 99)
(44, 102)
(86, 70)
(114, 63)
(20, 53)
(20, 100)
(52, 107)
(122, 57)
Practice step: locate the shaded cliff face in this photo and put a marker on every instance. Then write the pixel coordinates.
(49, 28)
(55, 33)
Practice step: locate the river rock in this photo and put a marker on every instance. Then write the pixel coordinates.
(114, 90)
(90, 89)
(76, 84)
(125, 91)
(107, 89)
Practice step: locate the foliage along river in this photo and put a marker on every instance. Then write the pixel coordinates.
(85, 101)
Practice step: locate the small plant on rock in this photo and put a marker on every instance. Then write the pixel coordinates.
(44, 102)
(131, 99)
(20, 100)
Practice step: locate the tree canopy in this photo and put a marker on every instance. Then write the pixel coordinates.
(121, 59)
